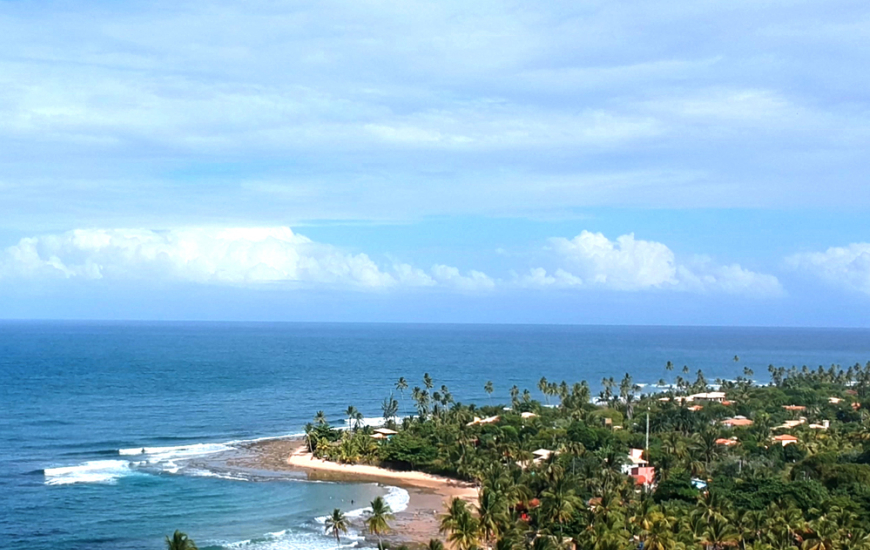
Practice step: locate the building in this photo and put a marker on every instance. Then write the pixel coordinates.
(487, 420)
(737, 422)
(638, 468)
(785, 439)
(716, 396)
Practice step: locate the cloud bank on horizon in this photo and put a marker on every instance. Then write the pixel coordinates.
(261, 256)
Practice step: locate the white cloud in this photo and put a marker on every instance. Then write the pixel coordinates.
(591, 260)
(844, 266)
(475, 280)
(238, 256)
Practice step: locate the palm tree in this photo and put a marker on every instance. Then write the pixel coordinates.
(455, 511)
(379, 516)
(543, 385)
(320, 418)
(435, 544)
(427, 381)
(390, 407)
(559, 503)
(351, 414)
(180, 541)
(336, 523)
(465, 534)
(402, 385)
(488, 389)
(719, 533)
(491, 511)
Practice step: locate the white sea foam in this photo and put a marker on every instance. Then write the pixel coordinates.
(95, 471)
(396, 497)
(373, 421)
(179, 451)
(295, 540)
(163, 459)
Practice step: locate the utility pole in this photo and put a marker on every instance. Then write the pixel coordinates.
(647, 429)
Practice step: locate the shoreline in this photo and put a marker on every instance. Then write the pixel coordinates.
(428, 494)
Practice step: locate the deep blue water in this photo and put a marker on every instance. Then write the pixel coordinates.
(73, 395)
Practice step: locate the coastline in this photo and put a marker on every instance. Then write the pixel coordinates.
(428, 494)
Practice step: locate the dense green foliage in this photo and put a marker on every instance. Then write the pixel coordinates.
(715, 486)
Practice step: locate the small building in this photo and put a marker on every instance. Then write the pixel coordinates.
(823, 426)
(695, 408)
(789, 424)
(794, 408)
(738, 421)
(717, 396)
(727, 442)
(487, 420)
(785, 439)
(528, 415)
(638, 468)
(542, 454)
(835, 400)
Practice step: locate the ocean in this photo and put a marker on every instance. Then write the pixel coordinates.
(81, 401)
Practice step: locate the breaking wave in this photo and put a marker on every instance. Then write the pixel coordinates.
(167, 460)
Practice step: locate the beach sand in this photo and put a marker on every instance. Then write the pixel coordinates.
(429, 495)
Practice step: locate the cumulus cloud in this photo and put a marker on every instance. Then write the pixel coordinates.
(591, 260)
(844, 266)
(238, 256)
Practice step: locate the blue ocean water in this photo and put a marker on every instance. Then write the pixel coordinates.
(80, 400)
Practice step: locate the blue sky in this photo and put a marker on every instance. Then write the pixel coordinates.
(664, 162)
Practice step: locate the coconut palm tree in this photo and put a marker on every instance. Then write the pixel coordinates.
(466, 533)
(457, 509)
(559, 503)
(378, 517)
(435, 544)
(719, 533)
(180, 541)
(390, 407)
(336, 523)
(320, 418)
(491, 511)
(402, 385)
(488, 389)
(427, 381)
(351, 414)
(543, 386)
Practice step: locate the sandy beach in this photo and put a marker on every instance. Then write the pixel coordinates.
(429, 494)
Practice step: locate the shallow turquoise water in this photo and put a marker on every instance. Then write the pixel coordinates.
(75, 394)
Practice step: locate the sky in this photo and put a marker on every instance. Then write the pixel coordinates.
(662, 162)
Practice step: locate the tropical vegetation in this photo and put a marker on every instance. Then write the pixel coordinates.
(717, 483)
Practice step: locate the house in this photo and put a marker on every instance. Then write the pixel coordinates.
(794, 408)
(785, 439)
(823, 426)
(789, 424)
(386, 432)
(528, 415)
(542, 455)
(716, 396)
(487, 420)
(638, 468)
(737, 422)
(835, 400)
(695, 408)
(729, 442)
